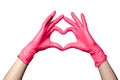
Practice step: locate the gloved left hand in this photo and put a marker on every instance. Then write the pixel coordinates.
(85, 41)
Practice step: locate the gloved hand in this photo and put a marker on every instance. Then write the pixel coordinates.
(85, 42)
(42, 40)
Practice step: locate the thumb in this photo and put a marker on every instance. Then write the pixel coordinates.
(55, 28)
(70, 45)
(69, 29)
(56, 45)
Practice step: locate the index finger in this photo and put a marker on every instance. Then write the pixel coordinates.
(49, 18)
(54, 22)
(69, 21)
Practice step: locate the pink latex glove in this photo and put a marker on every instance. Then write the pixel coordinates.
(85, 42)
(42, 40)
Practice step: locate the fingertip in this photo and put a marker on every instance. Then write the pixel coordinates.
(58, 29)
(82, 15)
(59, 48)
(53, 13)
(68, 30)
(65, 18)
(68, 46)
(72, 13)
(62, 15)
(56, 45)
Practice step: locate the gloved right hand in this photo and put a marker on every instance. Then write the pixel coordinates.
(42, 40)
(85, 42)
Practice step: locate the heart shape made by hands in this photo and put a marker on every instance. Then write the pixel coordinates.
(63, 38)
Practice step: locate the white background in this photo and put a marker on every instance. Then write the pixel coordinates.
(21, 20)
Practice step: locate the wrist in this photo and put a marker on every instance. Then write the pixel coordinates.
(98, 55)
(27, 54)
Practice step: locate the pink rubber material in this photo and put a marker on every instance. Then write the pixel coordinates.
(85, 42)
(42, 40)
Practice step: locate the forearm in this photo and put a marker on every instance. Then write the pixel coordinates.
(107, 72)
(17, 70)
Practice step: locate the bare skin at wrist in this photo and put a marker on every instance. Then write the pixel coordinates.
(106, 71)
(16, 72)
